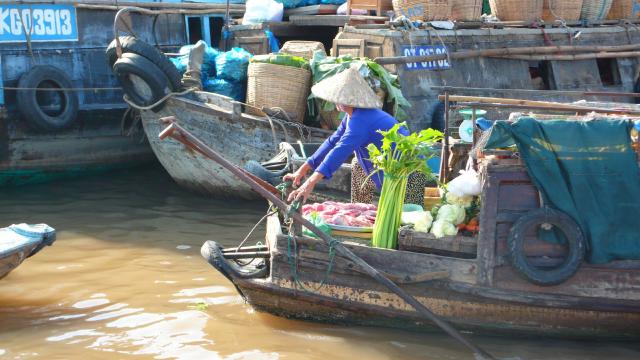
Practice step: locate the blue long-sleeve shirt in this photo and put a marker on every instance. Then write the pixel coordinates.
(353, 135)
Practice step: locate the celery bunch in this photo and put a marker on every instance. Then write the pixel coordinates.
(397, 158)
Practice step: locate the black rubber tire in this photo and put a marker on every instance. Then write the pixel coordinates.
(132, 70)
(574, 238)
(29, 107)
(134, 45)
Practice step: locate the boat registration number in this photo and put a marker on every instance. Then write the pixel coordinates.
(44, 22)
(426, 50)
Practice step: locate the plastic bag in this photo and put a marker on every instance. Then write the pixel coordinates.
(316, 220)
(208, 69)
(466, 184)
(342, 10)
(290, 4)
(235, 90)
(232, 65)
(259, 11)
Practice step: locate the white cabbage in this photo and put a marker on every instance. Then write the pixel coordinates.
(421, 220)
(454, 214)
(465, 201)
(443, 228)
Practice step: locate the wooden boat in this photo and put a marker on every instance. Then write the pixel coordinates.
(18, 242)
(220, 123)
(470, 281)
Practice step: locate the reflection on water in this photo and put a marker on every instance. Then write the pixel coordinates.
(125, 280)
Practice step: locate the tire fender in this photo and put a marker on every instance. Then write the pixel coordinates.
(561, 221)
(142, 81)
(130, 44)
(32, 103)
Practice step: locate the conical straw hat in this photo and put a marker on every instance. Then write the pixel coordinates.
(347, 88)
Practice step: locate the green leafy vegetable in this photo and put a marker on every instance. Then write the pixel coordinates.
(398, 156)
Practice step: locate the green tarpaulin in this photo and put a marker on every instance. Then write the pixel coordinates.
(588, 170)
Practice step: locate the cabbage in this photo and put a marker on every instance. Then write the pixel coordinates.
(443, 228)
(421, 220)
(454, 214)
(465, 201)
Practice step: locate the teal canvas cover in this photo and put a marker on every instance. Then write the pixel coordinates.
(588, 170)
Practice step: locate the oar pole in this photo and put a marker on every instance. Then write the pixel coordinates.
(177, 132)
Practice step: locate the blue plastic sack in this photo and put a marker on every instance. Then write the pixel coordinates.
(234, 90)
(208, 68)
(333, 2)
(290, 4)
(232, 65)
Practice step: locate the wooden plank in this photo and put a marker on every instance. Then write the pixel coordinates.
(352, 234)
(415, 241)
(312, 10)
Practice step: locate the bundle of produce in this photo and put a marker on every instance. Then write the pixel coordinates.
(343, 214)
(377, 76)
(282, 59)
(397, 158)
(232, 65)
(460, 208)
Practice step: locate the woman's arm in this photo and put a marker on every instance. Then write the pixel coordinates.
(318, 156)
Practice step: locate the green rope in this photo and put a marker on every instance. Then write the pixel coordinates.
(294, 266)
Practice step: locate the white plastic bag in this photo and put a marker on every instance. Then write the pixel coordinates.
(342, 10)
(259, 11)
(465, 184)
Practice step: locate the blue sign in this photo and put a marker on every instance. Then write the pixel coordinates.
(426, 50)
(44, 22)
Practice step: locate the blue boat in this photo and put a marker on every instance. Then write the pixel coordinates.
(61, 107)
(18, 242)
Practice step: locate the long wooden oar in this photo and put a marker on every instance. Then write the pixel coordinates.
(177, 132)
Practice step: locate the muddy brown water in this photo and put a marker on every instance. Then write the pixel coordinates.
(125, 277)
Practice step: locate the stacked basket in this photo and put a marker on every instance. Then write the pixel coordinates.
(466, 10)
(423, 10)
(622, 9)
(567, 10)
(595, 10)
(278, 86)
(517, 10)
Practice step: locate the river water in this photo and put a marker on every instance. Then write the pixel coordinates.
(125, 280)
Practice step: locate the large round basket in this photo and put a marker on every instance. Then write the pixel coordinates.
(466, 10)
(517, 10)
(622, 9)
(285, 87)
(304, 49)
(595, 10)
(425, 10)
(567, 10)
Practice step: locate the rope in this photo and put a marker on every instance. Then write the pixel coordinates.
(149, 107)
(293, 263)
(245, 263)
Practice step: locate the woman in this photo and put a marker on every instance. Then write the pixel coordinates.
(359, 128)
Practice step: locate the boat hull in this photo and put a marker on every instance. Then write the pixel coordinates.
(95, 145)
(218, 123)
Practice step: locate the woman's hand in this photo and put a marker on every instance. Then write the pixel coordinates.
(303, 192)
(296, 177)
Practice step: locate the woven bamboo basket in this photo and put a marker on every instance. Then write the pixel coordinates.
(517, 10)
(622, 9)
(280, 86)
(466, 10)
(425, 10)
(595, 10)
(304, 49)
(567, 10)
